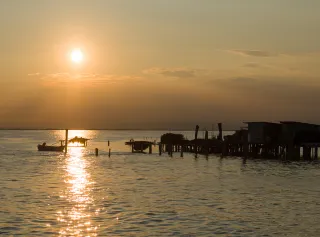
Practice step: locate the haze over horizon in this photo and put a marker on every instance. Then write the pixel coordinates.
(158, 64)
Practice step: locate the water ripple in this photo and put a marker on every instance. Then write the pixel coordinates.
(45, 194)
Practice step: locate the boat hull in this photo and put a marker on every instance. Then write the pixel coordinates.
(50, 148)
(139, 145)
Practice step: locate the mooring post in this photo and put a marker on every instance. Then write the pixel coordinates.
(220, 131)
(160, 149)
(150, 148)
(196, 132)
(108, 143)
(171, 150)
(96, 151)
(246, 148)
(66, 143)
(132, 147)
(109, 152)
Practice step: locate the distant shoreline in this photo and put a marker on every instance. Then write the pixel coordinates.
(98, 129)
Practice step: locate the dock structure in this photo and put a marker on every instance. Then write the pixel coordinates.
(173, 142)
(140, 146)
(75, 142)
(289, 140)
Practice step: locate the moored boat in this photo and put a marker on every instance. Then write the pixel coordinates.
(139, 146)
(44, 147)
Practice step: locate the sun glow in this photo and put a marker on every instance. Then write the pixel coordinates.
(76, 56)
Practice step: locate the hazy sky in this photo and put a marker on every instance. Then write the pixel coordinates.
(158, 64)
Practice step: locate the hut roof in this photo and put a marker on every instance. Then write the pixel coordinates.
(300, 123)
(262, 122)
(172, 138)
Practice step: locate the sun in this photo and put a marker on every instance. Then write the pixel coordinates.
(76, 56)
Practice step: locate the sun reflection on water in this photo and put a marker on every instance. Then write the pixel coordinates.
(76, 215)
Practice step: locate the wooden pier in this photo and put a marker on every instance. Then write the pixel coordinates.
(287, 140)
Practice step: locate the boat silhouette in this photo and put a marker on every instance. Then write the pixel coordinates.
(44, 147)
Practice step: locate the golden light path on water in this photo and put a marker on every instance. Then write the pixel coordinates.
(76, 215)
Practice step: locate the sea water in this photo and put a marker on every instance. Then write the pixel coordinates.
(132, 194)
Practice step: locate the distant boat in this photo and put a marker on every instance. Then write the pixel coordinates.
(44, 147)
(139, 146)
(76, 142)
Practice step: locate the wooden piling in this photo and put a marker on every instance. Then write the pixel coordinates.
(96, 151)
(109, 152)
(196, 132)
(220, 131)
(306, 153)
(150, 148)
(181, 151)
(66, 143)
(160, 149)
(108, 143)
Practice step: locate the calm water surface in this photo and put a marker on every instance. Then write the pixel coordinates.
(49, 194)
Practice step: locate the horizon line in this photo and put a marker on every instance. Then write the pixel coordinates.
(115, 129)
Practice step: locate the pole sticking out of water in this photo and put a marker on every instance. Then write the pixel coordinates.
(160, 149)
(181, 151)
(96, 151)
(109, 152)
(66, 143)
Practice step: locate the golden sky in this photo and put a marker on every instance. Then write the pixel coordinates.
(158, 64)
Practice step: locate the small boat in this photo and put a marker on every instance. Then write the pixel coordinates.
(139, 146)
(76, 142)
(44, 147)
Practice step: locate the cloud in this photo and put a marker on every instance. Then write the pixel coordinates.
(253, 53)
(66, 75)
(285, 90)
(252, 65)
(34, 74)
(255, 65)
(230, 97)
(173, 72)
(89, 79)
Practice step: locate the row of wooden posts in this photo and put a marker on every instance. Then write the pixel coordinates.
(169, 149)
(241, 150)
(283, 151)
(97, 152)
